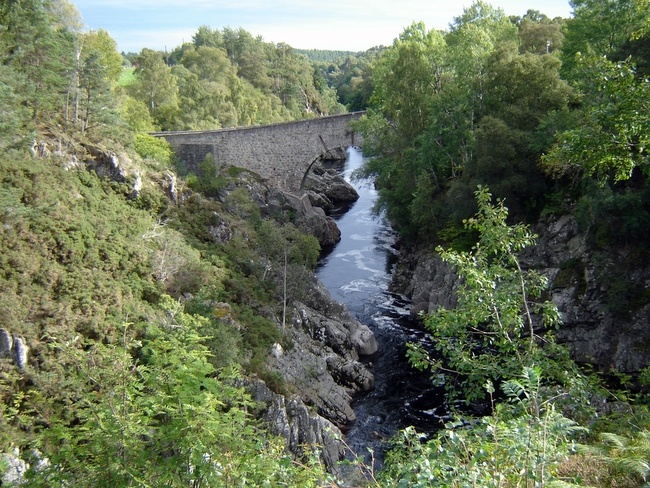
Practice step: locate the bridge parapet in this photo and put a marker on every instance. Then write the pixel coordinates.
(281, 153)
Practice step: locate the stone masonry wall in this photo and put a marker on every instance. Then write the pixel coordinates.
(280, 153)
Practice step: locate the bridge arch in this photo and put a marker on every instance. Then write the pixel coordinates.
(281, 153)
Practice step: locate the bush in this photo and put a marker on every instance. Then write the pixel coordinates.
(522, 443)
(155, 149)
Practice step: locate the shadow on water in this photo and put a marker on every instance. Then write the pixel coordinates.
(357, 272)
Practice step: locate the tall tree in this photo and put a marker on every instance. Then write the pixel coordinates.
(216, 79)
(42, 50)
(538, 34)
(600, 28)
(612, 138)
(157, 87)
(407, 76)
(472, 38)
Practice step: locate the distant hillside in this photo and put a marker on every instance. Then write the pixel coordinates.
(326, 56)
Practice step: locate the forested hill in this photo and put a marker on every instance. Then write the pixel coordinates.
(135, 304)
(324, 56)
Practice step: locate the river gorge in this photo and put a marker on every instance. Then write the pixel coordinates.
(357, 273)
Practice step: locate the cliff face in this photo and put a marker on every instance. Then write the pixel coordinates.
(603, 295)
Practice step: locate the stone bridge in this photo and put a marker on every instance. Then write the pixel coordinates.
(281, 153)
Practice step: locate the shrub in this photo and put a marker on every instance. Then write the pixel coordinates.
(155, 149)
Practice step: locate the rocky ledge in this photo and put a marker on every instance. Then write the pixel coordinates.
(323, 371)
(601, 325)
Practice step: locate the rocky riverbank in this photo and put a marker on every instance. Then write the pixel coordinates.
(602, 294)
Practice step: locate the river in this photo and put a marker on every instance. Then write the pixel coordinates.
(357, 272)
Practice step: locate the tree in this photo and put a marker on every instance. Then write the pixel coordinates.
(472, 38)
(157, 87)
(15, 117)
(42, 50)
(408, 77)
(96, 73)
(212, 92)
(525, 102)
(99, 43)
(540, 35)
(494, 332)
(599, 28)
(206, 36)
(611, 140)
(96, 97)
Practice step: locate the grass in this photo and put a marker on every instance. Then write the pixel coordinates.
(127, 77)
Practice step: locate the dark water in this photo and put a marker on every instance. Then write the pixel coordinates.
(357, 272)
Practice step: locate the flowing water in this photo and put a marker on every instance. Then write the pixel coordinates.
(357, 272)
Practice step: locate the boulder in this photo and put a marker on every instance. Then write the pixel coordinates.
(6, 343)
(329, 184)
(20, 352)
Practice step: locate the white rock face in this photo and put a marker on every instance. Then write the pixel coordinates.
(20, 352)
(6, 343)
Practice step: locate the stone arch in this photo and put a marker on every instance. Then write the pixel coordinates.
(337, 153)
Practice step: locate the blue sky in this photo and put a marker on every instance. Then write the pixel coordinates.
(351, 25)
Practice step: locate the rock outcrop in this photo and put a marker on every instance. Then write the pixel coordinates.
(328, 190)
(323, 363)
(322, 367)
(599, 328)
(302, 429)
(274, 203)
(602, 325)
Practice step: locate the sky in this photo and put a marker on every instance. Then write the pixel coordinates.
(346, 25)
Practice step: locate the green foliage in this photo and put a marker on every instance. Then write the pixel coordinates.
(156, 87)
(153, 412)
(15, 119)
(614, 215)
(136, 114)
(35, 46)
(627, 456)
(491, 333)
(127, 77)
(229, 77)
(612, 139)
(99, 43)
(521, 444)
(68, 257)
(208, 179)
(508, 103)
(325, 56)
(600, 28)
(352, 77)
(156, 149)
